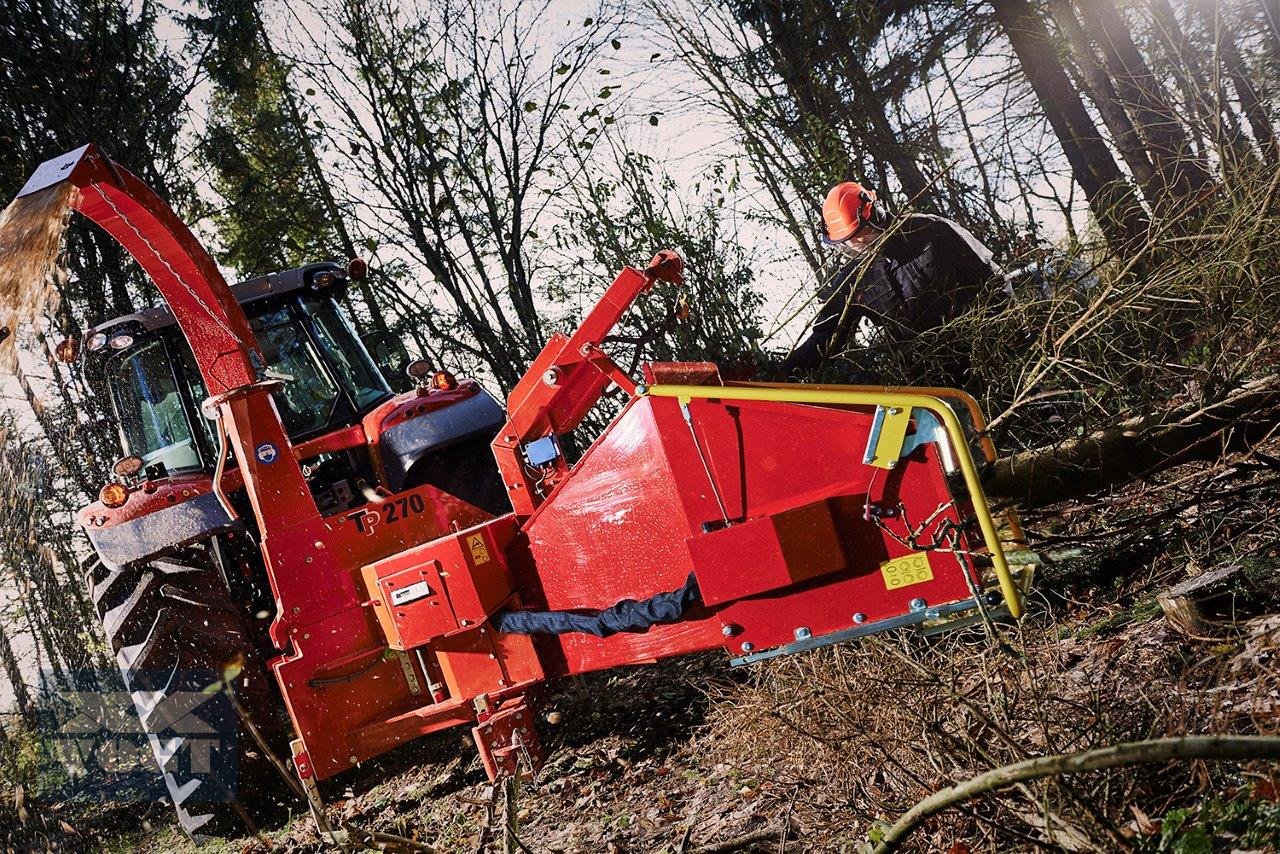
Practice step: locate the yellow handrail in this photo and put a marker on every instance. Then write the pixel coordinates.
(839, 397)
(1016, 535)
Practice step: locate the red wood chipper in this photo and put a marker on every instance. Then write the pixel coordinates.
(362, 568)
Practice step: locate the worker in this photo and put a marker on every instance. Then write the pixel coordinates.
(905, 275)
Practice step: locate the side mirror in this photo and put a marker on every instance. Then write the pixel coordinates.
(127, 466)
(419, 370)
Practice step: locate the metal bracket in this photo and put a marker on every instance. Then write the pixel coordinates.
(912, 618)
(887, 435)
(929, 429)
(506, 737)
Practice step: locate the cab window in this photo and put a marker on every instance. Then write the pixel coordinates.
(150, 409)
(309, 395)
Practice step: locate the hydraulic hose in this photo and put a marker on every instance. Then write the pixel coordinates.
(626, 616)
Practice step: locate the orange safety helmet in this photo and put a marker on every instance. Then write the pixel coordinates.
(848, 207)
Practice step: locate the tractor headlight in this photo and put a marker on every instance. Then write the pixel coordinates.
(120, 342)
(96, 341)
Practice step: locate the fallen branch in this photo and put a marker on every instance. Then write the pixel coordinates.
(1214, 747)
(1133, 448)
(737, 843)
(381, 841)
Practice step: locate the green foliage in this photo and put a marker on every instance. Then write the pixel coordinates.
(1245, 821)
(22, 756)
(624, 217)
(75, 71)
(272, 214)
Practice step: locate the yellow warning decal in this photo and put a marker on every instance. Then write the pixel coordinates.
(906, 570)
(480, 553)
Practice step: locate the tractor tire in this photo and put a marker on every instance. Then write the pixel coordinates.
(184, 648)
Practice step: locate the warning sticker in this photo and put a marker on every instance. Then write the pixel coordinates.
(906, 570)
(479, 552)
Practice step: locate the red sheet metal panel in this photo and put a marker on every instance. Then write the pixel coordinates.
(625, 524)
(767, 553)
(443, 587)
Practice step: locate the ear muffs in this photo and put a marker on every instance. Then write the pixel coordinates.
(871, 211)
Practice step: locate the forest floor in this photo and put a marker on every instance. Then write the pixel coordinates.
(694, 756)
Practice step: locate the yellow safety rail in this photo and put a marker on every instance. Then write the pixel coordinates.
(821, 396)
(963, 398)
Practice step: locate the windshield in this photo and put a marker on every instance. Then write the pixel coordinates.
(150, 410)
(308, 395)
(156, 426)
(350, 360)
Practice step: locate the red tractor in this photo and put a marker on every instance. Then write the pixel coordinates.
(359, 568)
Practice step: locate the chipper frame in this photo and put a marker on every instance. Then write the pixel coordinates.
(756, 518)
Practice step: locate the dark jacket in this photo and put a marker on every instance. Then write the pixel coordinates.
(925, 272)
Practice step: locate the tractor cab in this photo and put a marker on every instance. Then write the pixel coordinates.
(330, 386)
(330, 380)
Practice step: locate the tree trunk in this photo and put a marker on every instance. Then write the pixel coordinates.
(26, 708)
(1189, 67)
(319, 176)
(1104, 97)
(851, 103)
(1181, 173)
(1250, 101)
(1134, 448)
(1111, 197)
(988, 195)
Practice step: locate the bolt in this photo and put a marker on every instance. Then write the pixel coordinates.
(354, 760)
(551, 377)
(803, 633)
(932, 614)
(893, 464)
(642, 390)
(727, 631)
(917, 604)
(893, 410)
(859, 618)
(747, 646)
